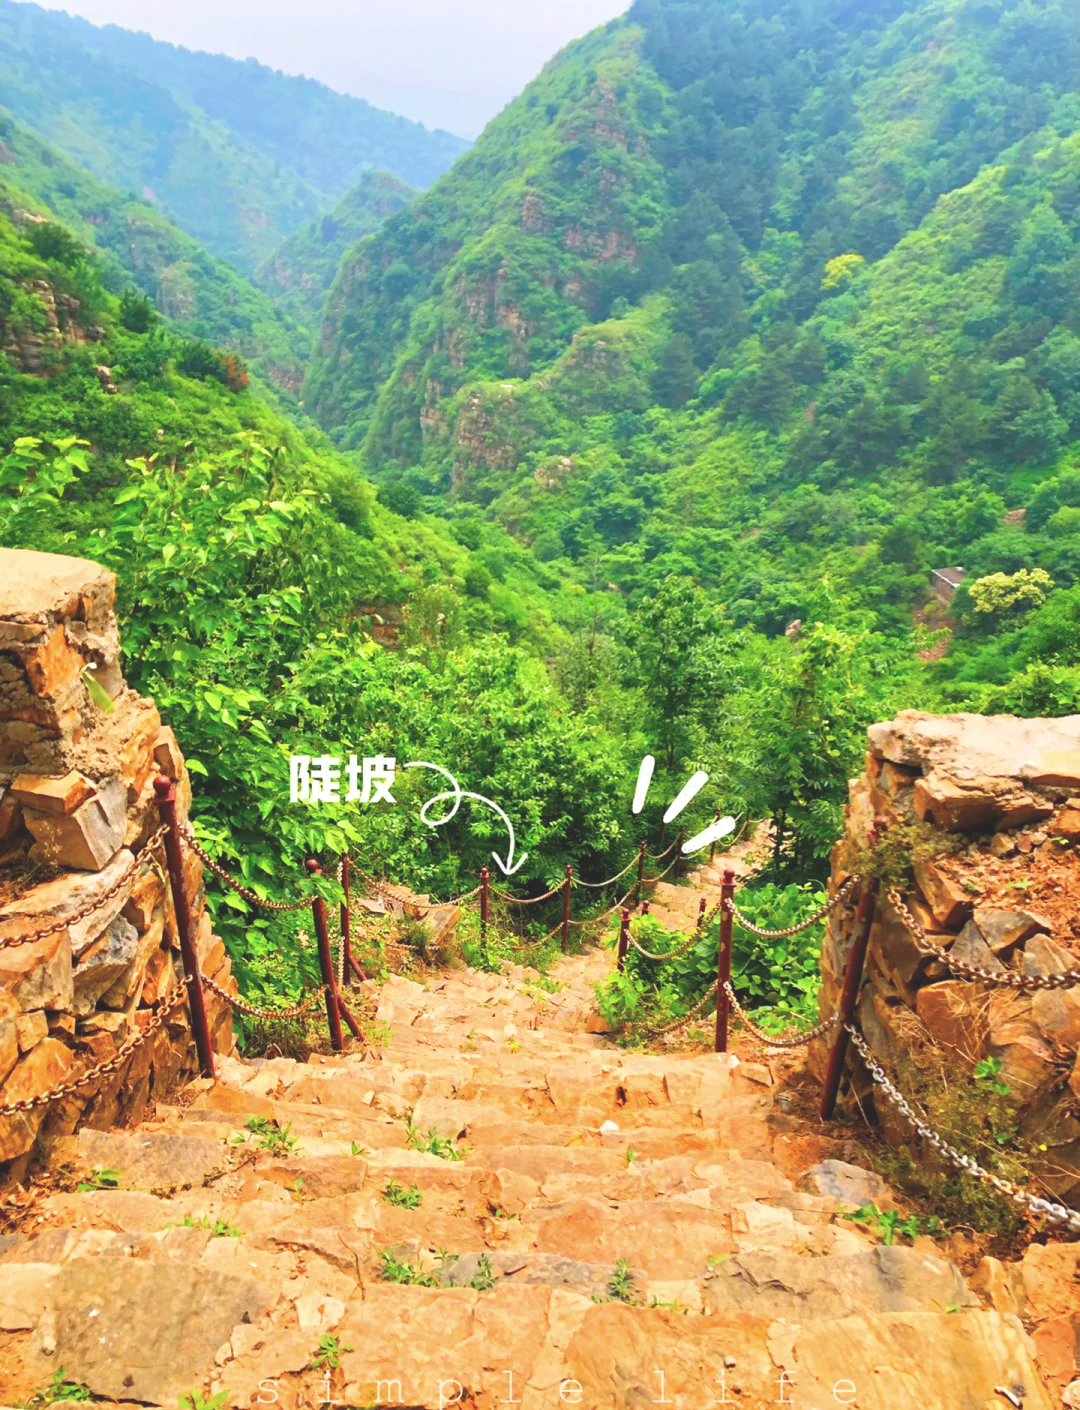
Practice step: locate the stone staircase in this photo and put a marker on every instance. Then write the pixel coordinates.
(616, 1230)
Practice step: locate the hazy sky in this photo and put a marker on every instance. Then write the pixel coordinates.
(448, 63)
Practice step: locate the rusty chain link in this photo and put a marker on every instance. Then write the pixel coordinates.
(280, 1014)
(672, 954)
(525, 900)
(708, 997)
(1056, 1213)
(661, 855)
(103, 1069)
(599, 885)
(1006, 979)
(234, 885)
(819, 914)
(136, 865)
(762, 1036)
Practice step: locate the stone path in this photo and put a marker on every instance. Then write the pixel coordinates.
(617, 1230)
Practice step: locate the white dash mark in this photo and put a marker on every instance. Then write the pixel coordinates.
(644, 778)
(687, 793)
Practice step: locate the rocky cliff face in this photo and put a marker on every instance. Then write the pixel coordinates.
(78, 755)
(989, 807)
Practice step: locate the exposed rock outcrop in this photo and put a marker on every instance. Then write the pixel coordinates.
(987, 806)
(78, 755)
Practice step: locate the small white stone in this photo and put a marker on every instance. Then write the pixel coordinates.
(608, 1127)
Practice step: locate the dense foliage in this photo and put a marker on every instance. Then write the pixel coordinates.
(299, 273)
(668, 397)
(237, 154)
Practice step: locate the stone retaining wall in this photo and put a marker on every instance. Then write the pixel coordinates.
(993, 805)
(76, 803)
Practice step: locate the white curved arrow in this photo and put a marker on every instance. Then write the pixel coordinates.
(457, 793)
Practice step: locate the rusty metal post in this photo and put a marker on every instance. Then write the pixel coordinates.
(723, 963)
(678, 853)
(849, 997)
(639, 890)
(165, 792)
(701, 912)
(346, 918)
(624, 936)
(712, 844)
(485, 876)
(326, 963)
(566, 907)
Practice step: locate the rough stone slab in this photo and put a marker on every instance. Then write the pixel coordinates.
(106, 961)
(34, 585)
(144, 1160)
(24, 1294)
(43, 1067)
(68, 894)
(87, 839)
(848, 1184)
(995, 746)
(140, 1330)
(38, 975)
(52, 795)
(801, 1289)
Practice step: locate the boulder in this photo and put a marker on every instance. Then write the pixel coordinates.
(847, 1184)
(953, 1017)
(950, 904)
(1002, 929)
(38, 975)
(103, 964)
(52, 795)
(43, 1067)
(88, 838)
(9, 1031)
(970, 948)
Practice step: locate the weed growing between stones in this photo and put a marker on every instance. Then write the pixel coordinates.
(219, 1228)
(888, 1223)
(892, 861)
(98, 1179)
(269, 1136)
(195, 1400)
(433, 1143)
(57, 1390)
(328, 1356)
(620, 1286)
(977, 1114)
(402, 1198)
(483, 1280)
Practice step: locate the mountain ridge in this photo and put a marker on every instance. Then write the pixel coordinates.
(237, 154)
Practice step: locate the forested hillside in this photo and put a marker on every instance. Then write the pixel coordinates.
(200, 295)
(737, 323)
(298, 275)
(756, 294)
(236, 154)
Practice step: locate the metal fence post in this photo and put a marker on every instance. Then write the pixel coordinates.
(485, 876)
(566, 907)
(712, 844)
(678, 853)
(326, 963)
(624, 936)
(701, 912)
(849, 997)
(723, 963)
(346, 919)
(165, 792)
(639, 889)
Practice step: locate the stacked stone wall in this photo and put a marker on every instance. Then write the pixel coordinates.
(991, 807)
(79, 752)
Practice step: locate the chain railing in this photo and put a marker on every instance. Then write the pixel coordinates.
(790, 930)
(599, 885)
(1003, 978)
(231, 882)
(799, 1040)
(273, 1015)
(1047, 1209)
(137, 866)
(102, 1069)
